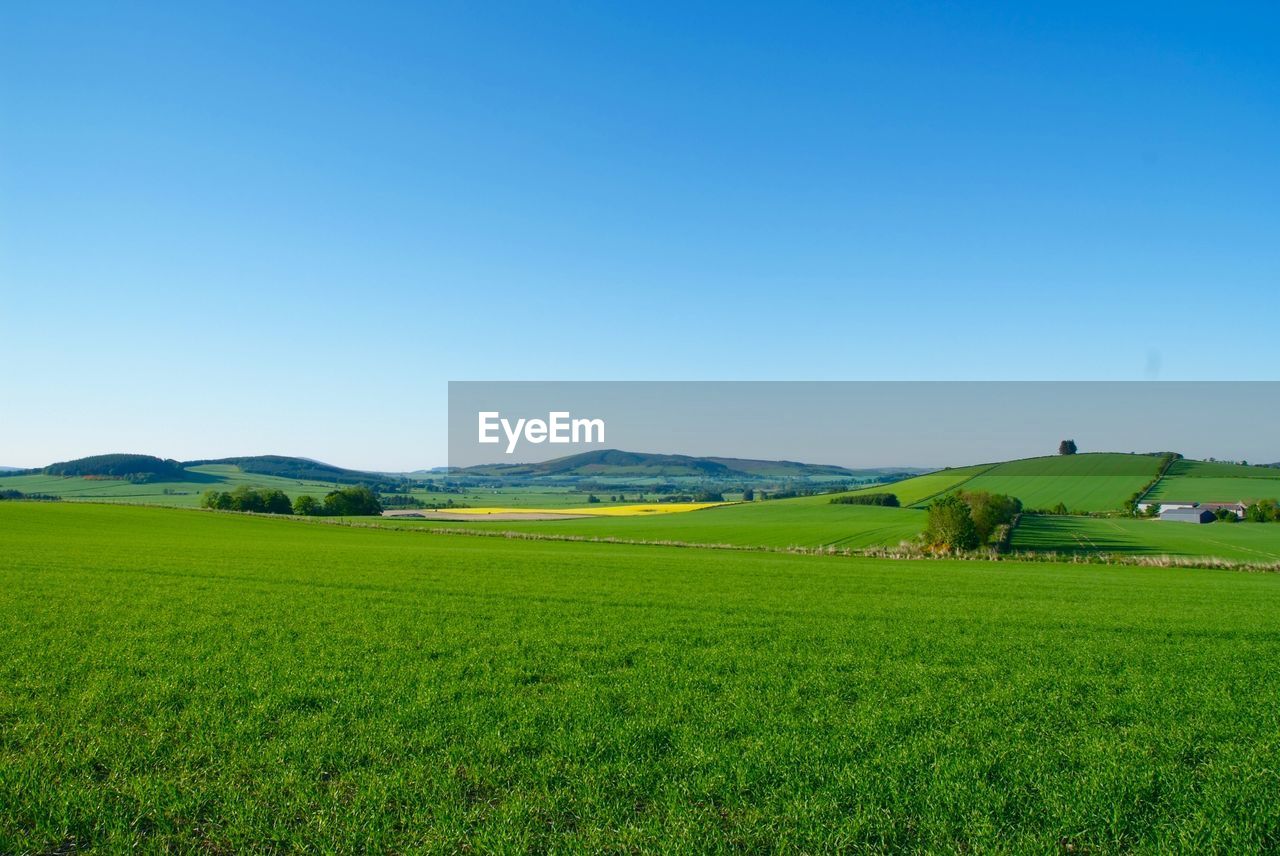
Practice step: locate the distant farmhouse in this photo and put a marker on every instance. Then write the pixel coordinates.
(1239, 509)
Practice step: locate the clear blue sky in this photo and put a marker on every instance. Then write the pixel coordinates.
(283, 227)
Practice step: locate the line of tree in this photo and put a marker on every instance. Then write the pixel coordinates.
(245, 498)
(969, 519)
(353, 501)
(404, 500)
(33, 497)
(1166, 461)
(700, 496)
(889, 500)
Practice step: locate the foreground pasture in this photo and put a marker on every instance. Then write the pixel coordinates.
(187, 681)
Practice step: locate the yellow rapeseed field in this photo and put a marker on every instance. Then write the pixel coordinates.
(595, 511)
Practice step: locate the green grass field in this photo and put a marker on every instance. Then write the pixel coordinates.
(180, 681)
(1090, 482)
(802, 522)
(1206, 481)
(1239, 542)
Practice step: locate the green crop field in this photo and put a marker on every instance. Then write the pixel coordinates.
(1239, 542)
(1092, 482)
(1207, 481)
(182, 681)
(802, 522)
(918, 489)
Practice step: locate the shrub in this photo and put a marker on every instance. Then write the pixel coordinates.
(951, 524)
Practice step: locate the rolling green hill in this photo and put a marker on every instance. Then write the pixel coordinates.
(184, 492)
(152, 480)
(303, 469)
(124, 466)
(1083, 483)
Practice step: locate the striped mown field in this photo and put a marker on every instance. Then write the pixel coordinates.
(1088, 482)
(1208, 481)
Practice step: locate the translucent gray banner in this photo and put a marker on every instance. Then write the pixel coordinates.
(860, 424)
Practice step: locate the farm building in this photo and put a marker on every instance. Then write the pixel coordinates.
(1188, 515)
(1239, 509)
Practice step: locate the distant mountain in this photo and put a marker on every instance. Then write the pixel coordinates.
(613, 463)
(606, 464)
(303, 469)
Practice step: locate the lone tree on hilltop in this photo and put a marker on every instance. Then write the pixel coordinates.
(1067, 447)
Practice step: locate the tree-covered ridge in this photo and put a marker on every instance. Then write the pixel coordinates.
(121, 466)
(302, 469)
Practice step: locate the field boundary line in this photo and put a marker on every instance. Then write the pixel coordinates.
(1160, 476)
(955, 486)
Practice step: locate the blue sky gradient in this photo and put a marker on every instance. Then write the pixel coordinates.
(238, 230)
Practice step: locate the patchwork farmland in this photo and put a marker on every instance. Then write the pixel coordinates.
(1082, 484)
